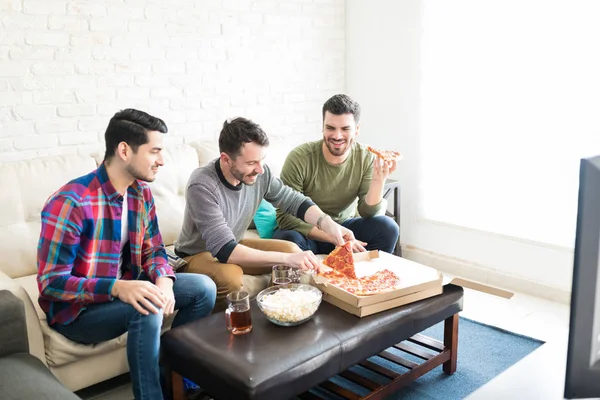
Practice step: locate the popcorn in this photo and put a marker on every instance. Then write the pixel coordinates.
(289, 306)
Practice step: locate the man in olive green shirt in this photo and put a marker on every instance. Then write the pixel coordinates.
(342, 177)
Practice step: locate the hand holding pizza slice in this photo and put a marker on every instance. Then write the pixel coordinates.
(386, 155)
(385, 163)
(341, 259)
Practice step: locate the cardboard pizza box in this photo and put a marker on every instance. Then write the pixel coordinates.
(384, 305)
(414, 278)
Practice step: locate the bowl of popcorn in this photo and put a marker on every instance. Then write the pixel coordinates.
(289, 305)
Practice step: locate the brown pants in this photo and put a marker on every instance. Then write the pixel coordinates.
(228, 277)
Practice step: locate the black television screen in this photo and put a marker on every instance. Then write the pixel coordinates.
(583, 355)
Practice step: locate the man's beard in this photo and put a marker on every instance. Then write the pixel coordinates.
(238, 175)
(338, 152)
(136, 174)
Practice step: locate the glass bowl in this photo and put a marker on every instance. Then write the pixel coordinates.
(299, 309)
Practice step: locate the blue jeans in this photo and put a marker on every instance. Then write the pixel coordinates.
(380, 233)
(194, 298)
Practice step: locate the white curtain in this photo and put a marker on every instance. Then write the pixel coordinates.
(510, 101)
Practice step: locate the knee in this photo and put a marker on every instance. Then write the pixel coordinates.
(290, 247)
(228, 278)
(201, 289)
(285, 235)
(208, 291)
(388, 227)
(293, 241)
(152, 322)
(196, 285)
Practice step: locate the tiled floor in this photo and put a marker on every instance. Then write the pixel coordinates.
(538, 376)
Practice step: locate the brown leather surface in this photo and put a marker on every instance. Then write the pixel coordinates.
(274, 362)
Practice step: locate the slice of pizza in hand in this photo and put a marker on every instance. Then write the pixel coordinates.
(323, 268)
(385, 155)
(341, 259)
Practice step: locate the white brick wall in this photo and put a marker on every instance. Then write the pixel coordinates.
(67, 66)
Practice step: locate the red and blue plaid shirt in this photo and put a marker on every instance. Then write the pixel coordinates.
(80, 244)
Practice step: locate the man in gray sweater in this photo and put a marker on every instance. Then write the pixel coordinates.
(221, 200)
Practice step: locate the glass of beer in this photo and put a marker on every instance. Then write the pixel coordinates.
(281, 275)
(237, 314)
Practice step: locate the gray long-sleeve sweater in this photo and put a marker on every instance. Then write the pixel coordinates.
(217, 213)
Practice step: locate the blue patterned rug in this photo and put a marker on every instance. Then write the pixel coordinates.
(483, 352)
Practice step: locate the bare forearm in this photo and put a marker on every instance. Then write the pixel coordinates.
(312, 215)
(257, 261)
(317, 234)
(375, 193)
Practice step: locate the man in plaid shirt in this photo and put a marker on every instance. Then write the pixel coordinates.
(102, 266)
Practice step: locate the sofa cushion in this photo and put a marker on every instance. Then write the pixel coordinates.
(59, 349)
(265, 220)
(169, 188)
(251, 234)
(253, 284)
(29, 183)
(206, 151)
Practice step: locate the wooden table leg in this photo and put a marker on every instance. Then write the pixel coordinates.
(392, 187)
(451, 343)
(177, 385)
(398, 251)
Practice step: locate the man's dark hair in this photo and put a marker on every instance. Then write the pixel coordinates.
(237, 132)
(342, 104)
(130, 126)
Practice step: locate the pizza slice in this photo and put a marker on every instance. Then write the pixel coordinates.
(385, 155)
(341, 259)
(379, 282)
(342, 281)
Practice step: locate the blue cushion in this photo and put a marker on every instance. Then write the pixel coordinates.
(265, 220)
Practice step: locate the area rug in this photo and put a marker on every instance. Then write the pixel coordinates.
(483, 352)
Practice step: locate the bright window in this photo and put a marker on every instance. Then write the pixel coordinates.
(510, 101)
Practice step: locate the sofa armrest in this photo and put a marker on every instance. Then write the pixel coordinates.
(13, 330)
(34, 329)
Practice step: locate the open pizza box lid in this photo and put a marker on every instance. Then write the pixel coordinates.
(414, 278)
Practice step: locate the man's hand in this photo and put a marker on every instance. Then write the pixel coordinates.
(341, 235)
(383, 169)
(317, 234)
(338, 234)
(165, 284)
(305, 260)
(144, 296)
(358, 246)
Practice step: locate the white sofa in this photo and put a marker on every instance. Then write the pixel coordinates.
(25, 187)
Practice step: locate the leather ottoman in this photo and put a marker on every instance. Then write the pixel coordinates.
(274, 362)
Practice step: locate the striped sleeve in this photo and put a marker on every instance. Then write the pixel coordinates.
(62, 223)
